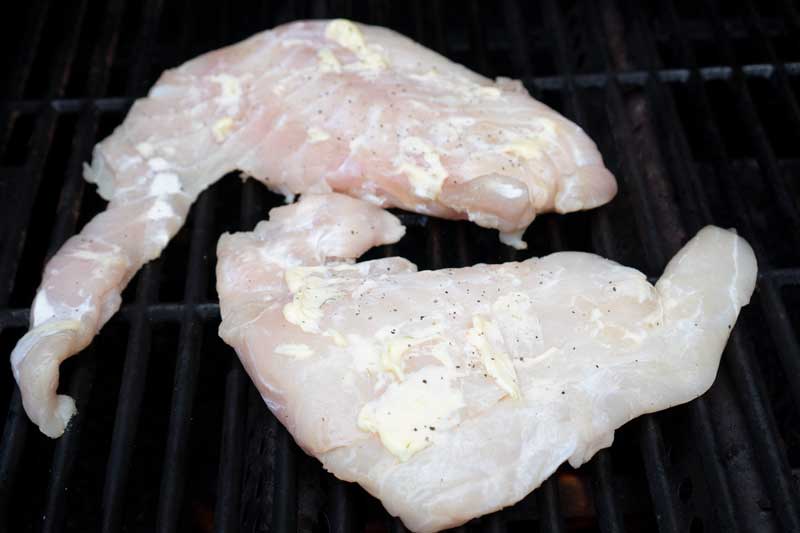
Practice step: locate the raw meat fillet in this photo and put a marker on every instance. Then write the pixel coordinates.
(310, 106)
(453, 393)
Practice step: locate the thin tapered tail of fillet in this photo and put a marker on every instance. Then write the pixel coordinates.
(80, 291)
(702, 291)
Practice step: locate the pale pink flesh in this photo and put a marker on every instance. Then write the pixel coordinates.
(593, 345)
(267, 106)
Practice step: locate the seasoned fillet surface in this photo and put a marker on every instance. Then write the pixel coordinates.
(309, 106)
(453, 393)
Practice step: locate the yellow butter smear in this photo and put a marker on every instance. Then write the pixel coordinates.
(347, 34)
(309, 293)
(426, 180)
(408, 415)
(482, 336)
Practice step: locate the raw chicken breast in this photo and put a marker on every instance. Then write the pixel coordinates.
(310, 106)
(449, 394)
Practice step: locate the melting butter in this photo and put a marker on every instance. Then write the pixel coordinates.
(347, 34)
(297, 351)
(487, 340)
(426, 180)
(328, 61)
(316, 135)
(310, 293)
(222, 128)
(408, 415)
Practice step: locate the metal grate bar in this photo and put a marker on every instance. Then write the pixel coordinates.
(782, 81)
(229, 488)
(651, 443)
(144, 43)
(226, 515)
(771, 456)
(66, 450)
(186, 368)
(655, 463)
(549, 508)
(341, 508)
(758, 136)
(27, 51)
(608, 512)
(14, 432)
(774, 310)
(397, 526)
(610, 519)
(477, 37)
(284, 514)
(783, 332)
(687, 180)
(126, 418)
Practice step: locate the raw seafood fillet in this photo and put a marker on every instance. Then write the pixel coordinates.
(309, 106)
(453, 393)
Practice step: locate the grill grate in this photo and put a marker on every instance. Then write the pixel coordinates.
(695, 108)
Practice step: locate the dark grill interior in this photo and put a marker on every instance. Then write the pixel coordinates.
(693, 104)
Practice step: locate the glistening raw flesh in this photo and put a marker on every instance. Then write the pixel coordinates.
(449, 394)
(309, 106)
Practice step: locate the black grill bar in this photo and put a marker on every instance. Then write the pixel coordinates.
(575, 109)
(686, 179)
(765, 154)
(608, 515)
(186, 368)
(284, 513)
(131, 391)
(64, 455)
(341, 508)
(226, 515)
(27, 52)
(549, 507)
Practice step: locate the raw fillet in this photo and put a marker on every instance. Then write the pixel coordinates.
(309, 106)
(449, 394)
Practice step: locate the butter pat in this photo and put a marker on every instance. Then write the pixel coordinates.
(408, 415)
(328, 61)
(485, 337)
(426, 180)
(310, 293)
(346, 34)
(524, 148)
(222, 128)
(296, 351)
(316, 135)
(230, 89)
